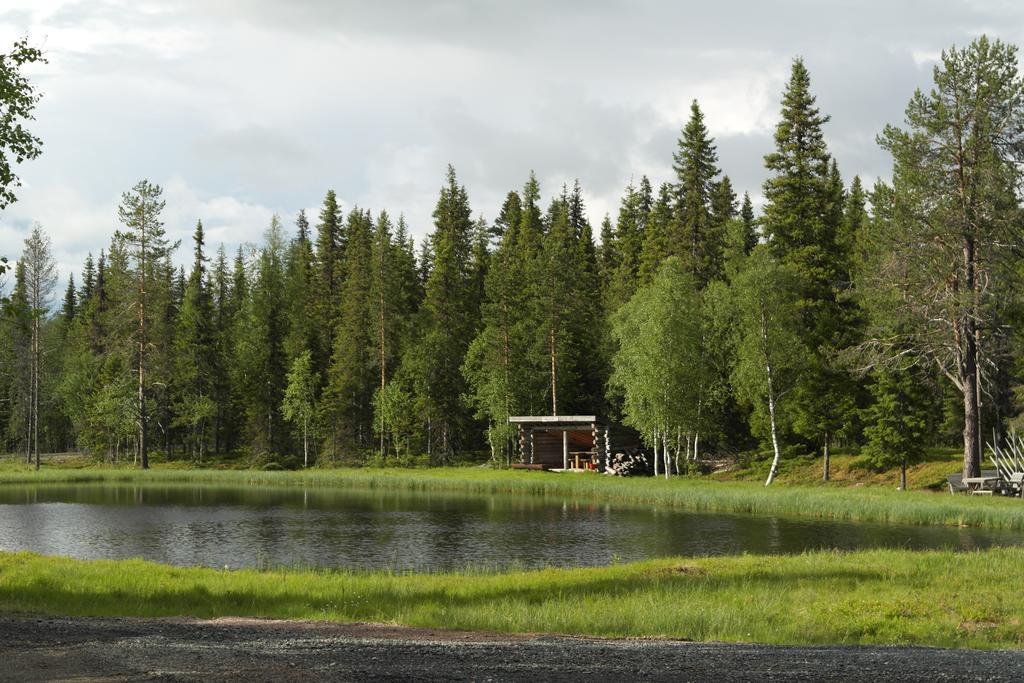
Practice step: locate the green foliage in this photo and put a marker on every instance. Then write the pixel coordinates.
(696, 231)
(671, 322)
(299, 404)
(659, 362)
(18, 99)
(933, 267)
(898, 420)
(770, 354)
(259, 360)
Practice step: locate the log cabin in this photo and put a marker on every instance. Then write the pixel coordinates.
(567, 442)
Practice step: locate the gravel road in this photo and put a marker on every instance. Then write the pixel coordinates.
(107, 649)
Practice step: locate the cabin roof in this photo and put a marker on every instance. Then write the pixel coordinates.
(556, 419)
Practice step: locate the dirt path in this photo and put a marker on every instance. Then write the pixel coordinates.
(106, 649)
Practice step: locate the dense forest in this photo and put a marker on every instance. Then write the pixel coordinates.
(884, 318)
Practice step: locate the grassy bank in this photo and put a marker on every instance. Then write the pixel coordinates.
(849, 469)
(894, 597)
(699, 495)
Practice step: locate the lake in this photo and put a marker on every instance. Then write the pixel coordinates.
(259, 526)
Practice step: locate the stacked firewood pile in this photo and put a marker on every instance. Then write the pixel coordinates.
(630, 462)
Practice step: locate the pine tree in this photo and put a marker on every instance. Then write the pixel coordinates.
(234, 312)
(480, 257)
(147, 248)
(944, 277)
(608, 252)
(556, 307)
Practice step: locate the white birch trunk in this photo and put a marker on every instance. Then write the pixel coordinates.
(655, 452)
(771, 403)
(664, 453)
(678, 434)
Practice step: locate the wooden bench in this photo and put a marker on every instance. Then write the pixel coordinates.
(956, 483)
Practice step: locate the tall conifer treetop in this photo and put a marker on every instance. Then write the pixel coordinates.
(796, 192)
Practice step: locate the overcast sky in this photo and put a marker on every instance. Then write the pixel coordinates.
(241, 109)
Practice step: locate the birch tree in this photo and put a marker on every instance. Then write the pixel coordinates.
(658, 365)
(299, 405)
(770, 353)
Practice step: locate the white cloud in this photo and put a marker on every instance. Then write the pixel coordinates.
(245, 108)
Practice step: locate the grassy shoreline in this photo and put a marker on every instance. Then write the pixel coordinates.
(698, 495)
(939, 598)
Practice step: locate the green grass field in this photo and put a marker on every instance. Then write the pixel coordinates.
(881, 596)
(884, 597)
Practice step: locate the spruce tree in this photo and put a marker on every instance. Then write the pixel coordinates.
(328, 275)
(260, 360)
(499, 352)
(447, 322)
(88, 279)
(749, 223)
(801, 223)
(658, 243)
(223, 336)
(70, 306)
(350, 380)
(195, 352)
(695, 235)
(300, 292)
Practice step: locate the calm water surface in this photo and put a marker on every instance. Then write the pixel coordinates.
(260, 526)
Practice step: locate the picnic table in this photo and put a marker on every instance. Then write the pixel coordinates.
(981, 486)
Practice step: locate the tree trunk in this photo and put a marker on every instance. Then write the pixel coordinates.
(771, 405)
(35, 388)
(655, 452)
(903, 474)
(969, 380)
(664, 453)
(305, 443)
(825, 470)
(554, 374)
(678, 438)
(143, 453)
